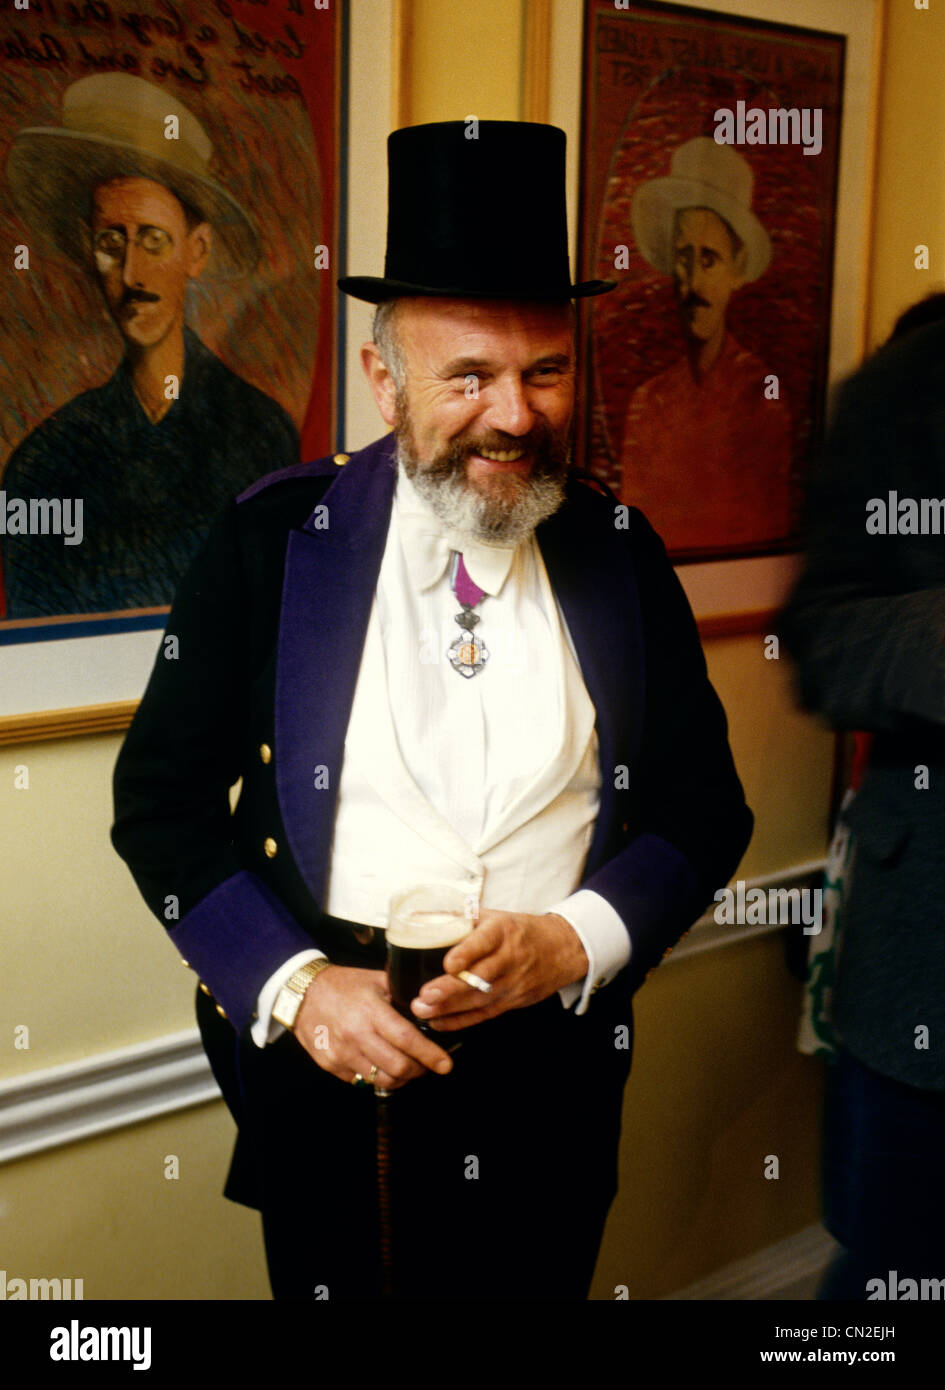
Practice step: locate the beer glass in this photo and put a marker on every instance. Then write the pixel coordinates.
(424, 924)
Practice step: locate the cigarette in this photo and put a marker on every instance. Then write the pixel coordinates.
(476, 981)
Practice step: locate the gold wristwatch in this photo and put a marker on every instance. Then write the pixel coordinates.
(289, 999)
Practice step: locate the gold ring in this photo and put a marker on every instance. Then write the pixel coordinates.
(357, 1079)
(372, 1074)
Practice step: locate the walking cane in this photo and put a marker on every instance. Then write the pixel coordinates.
(383, 1190)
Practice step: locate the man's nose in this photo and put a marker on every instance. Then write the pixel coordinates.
(509, 408)
(132, 270)
(697, 280)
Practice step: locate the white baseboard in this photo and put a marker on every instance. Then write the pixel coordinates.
(789, 1269)
(58, 1105)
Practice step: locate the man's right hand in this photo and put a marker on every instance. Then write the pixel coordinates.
(347, 1024)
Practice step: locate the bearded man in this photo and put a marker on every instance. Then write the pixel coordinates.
(439, 661)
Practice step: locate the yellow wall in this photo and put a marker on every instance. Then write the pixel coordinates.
(464, 60)
(716, 1085)
(85, 962)
(104, 1212)
(909, 206)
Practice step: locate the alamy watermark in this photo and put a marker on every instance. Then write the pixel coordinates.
(758, 907)
(898, 1290)
(13, 1288)
(42, 516)
(77, 1343)
(893, 515)
(778, 125)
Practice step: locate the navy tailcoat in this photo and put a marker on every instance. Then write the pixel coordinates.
(269, 626)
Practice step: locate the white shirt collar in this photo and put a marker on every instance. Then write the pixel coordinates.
(428, 544)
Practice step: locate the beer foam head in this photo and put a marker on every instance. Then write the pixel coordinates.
(427, 931)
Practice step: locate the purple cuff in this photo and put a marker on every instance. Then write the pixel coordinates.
(655, 890)
(236, 938)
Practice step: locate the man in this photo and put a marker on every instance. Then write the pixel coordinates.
(865, 625)
(556, 752)
(156, 451)
(706, 449)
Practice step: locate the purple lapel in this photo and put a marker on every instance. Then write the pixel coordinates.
(330, 578)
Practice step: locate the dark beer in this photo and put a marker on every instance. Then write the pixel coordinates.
(417, 944)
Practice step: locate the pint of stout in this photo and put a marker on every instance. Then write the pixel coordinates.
(424, 924)
(417, 944)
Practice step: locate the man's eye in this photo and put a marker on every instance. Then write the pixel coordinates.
(110, 243)
(154, 240)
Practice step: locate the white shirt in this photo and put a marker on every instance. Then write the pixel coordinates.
(421, 736)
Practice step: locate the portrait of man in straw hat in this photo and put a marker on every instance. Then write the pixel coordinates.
(123, 189)
(707, 436)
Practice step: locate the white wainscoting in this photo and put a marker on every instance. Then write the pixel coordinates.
(57, 1105)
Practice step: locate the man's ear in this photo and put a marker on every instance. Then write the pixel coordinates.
(199, 241)
(381, 383)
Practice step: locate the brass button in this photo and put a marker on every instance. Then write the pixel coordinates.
(203, 987)
(265, 753)
(270, 847)
(185, 962)
(221, 1011)
(341, 458)
(364, 936)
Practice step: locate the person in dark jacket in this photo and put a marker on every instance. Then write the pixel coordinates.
(866, 628)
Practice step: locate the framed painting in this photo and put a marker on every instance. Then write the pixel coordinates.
(172, 207)
(710, 162)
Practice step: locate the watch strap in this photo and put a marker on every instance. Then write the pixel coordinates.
(289, 999)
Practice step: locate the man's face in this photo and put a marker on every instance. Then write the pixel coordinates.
(483, 421)
(144, 256)
(706, 269)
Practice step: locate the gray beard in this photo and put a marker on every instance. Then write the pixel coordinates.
(504, 517)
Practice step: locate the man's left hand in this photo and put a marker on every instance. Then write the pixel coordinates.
(523, 957)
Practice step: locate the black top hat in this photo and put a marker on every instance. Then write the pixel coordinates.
(476, 210)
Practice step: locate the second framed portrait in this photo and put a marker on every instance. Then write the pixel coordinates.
(710, 178)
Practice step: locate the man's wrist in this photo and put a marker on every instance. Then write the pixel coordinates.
(573, 961)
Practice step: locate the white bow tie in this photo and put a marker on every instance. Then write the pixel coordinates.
(427, 547)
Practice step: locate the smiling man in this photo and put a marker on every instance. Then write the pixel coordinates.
(561, 762)
(707, 443)
(157, 450)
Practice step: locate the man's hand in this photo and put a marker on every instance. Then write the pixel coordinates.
(525, 959)
(347, 1024)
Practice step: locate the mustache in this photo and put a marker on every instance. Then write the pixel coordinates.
(541, 441)
(497, 442)
(695, 301)
(132, 296)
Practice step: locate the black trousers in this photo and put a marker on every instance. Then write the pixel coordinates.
(884, 1146)
(502, 1173)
